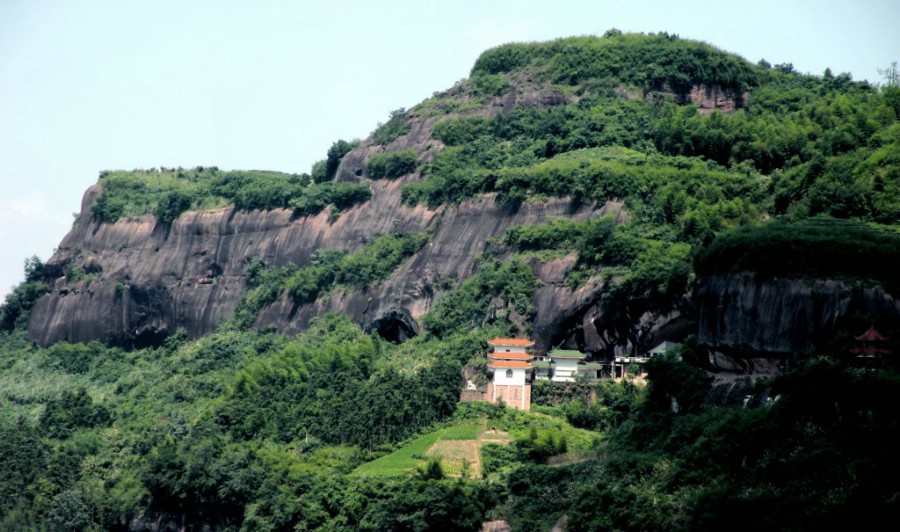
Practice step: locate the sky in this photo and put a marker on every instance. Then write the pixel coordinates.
(98, 85)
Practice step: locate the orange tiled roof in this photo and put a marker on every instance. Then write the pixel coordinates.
(509, 364)
(509, 356)
(518, 342)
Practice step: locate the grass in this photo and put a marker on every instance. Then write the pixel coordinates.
(460, 432)
(455, 445)
(404, 460)
(458, 446)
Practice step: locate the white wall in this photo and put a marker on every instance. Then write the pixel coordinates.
(510, 349)
(564, 369)
(518, 376)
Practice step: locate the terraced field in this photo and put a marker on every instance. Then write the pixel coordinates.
(457, 447)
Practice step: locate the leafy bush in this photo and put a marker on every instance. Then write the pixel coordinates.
(15, 309)
(335, 153)
(72, 411)
(458, 131)
(328, 268)
(817, 248)
(315, 198)
(376, 261)
(649, 61)
(469, 306)
(489, 85)
(395, 127)
(171, 205)
(166, 193)
(392, 164)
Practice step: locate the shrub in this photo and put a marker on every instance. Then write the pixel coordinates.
(810, 248)
(335, 153)
(392, 164)
(314, 198)
(394, 128)
(72, 411)
(171, 206)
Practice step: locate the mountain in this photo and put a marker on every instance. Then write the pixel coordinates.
(257, 350)
(673, 140)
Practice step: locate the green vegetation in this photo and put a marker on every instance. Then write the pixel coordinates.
(316, 198)
(813, 248)
(335, 153)
(799, 147)
(338, 429)
(391, 164)
(404, 460)
(168, 193)
(255, 430)
(15, 309)
(645, 61)
(395, 127)
(469, 306)
(460, 432)
(327, 269)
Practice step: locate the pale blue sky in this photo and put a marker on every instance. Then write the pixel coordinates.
(92, 85)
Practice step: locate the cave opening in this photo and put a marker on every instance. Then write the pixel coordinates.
(393, 328)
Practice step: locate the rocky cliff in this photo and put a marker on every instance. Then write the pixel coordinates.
(750, 324)
(535, 130)
(145, 279)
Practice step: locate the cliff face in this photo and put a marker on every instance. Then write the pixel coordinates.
(747, 323)
(136, 281)
(145, 279)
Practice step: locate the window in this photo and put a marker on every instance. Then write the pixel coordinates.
(509, 374)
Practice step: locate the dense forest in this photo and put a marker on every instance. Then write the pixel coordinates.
(334, 428)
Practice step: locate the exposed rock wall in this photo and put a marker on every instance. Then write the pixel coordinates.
(741, 316)
(146, 279)
(149, 278)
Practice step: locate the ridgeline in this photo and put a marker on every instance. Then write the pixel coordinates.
(230, 349)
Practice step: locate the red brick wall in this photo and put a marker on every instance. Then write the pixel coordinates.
(518, 397)
(473, 395)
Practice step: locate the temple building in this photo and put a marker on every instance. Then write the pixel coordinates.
(510, 368)
(870, 347)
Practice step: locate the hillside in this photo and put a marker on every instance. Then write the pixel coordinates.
(261, 350)
(697, 143)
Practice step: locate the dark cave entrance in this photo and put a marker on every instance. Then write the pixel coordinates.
(394, 327)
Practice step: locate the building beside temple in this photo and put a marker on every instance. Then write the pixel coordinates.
(564, 365)
(624, 362)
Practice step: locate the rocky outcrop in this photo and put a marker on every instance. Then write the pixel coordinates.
(750, 324)
(145, 279)
(711, 98)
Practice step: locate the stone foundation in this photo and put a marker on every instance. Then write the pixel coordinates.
(513, 396)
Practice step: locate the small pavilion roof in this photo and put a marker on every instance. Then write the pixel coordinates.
(871, 336)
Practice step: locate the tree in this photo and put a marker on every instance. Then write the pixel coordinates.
(335, 153)
(171, 206)
(34, 269)
(891, 75)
